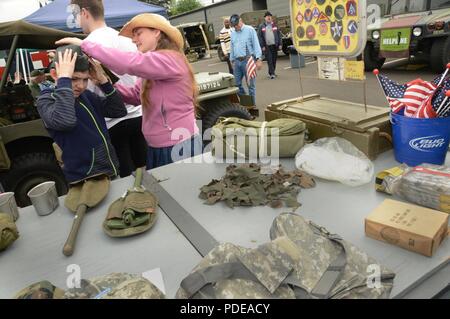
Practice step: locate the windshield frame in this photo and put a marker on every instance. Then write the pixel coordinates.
(431, 6)
(408, 4)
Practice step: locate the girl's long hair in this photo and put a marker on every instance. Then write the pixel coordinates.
(165, 43)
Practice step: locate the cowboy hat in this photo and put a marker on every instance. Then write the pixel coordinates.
(154, 21)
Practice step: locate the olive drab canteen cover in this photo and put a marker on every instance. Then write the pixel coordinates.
(8, 231)
(132, 214)
(302, 260)
(288, 133)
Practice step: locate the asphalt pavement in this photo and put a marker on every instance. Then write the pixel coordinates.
(289, 82)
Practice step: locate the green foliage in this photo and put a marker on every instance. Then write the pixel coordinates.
(181, 6)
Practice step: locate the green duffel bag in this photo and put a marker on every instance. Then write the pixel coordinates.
(238, 138)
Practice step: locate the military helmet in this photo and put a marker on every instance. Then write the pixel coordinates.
(82, 62)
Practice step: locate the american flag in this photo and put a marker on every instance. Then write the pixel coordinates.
(439, 97)
(394, 93)
(251, 69)
(413, 97)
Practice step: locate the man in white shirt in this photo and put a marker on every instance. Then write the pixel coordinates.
(126, 132)
(225, 39)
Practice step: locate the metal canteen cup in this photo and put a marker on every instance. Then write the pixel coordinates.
(44, 198)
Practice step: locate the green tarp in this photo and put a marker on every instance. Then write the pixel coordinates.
(30, 35)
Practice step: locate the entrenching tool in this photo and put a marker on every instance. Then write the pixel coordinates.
(84, 195)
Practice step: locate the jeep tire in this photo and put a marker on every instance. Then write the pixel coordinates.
(371, 59)
(30, 170)
(222, 108)
(440, 54)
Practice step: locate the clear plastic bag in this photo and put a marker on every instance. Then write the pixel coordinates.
(336, 159)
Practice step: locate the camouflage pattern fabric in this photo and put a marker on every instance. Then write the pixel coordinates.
(244, 185)
(297, 260)
(112, 286)
(115, 286)
(8, 231)
(40, 290)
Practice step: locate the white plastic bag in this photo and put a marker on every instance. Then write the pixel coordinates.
(335, 159)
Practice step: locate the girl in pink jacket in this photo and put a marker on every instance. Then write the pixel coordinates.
(167, 89)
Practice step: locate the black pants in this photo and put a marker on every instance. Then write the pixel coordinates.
(130, 145)
(271, 57)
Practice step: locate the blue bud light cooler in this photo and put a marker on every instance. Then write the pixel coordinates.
(418, 141)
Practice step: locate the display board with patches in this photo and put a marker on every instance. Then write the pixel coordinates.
(329, 27)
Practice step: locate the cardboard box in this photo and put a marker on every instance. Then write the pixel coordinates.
(409, 226)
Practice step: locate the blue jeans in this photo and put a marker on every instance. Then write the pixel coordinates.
(239, 73)
(162, 156)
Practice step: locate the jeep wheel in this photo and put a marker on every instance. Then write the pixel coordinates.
(30, 170)
(371, 59)
(222, 108)
(440, 54)
(220, 54)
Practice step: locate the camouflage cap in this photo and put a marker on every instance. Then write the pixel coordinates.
(40, 290)
(8, 231)
(115, 286)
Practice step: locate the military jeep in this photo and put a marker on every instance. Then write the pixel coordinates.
(218, 97)
(411, 28)
(26, 153)
(198, 38)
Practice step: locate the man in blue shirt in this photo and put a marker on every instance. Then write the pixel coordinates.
(244, 44)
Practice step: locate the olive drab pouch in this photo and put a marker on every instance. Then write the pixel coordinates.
(8, 231)
(302, 261)
(132, 214)
(238, 138)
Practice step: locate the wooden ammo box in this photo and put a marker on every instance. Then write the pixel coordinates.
(370, 132)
